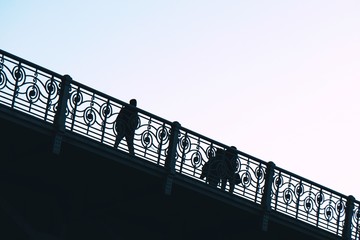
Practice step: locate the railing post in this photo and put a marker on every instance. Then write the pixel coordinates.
(171, 157)
(346, 234)
(266, 199)
(60, 115)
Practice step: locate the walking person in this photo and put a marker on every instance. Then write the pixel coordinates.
(126, 124)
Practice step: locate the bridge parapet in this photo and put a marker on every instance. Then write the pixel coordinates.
(29, 88)
(309, 202)
(39, 92)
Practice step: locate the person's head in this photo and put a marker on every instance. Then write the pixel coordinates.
(231, 150)
(133, 102)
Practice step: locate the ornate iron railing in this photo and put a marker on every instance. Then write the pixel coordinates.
(28, 88)
(308, 201)
(39, 92)
(93, 114)
(194, 150)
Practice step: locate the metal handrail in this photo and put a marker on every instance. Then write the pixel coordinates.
(26, 62)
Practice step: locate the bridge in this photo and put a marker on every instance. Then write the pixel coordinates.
(62, 178)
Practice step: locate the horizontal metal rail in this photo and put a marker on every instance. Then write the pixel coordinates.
(36, 91)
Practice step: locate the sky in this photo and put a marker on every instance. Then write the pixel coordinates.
(278, 79)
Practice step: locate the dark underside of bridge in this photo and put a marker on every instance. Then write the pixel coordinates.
(91, 191)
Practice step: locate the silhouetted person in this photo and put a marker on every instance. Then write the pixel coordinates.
(222, 167)
(231, 162)
(215, 169)
(126, 123)
(211, 170)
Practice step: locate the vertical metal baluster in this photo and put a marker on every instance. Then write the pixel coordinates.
(338, 218)
(103, 126)
(298, 195)
(91, 111)
(309, 197)
(34, 82)
(318, 210)
(48, 102)
(328, 220)
(257, 183)
(277, 191)
(209, 166)
(74, 110)
(197, 150)
(247, 172)
(183, 151)
(287, 204)
(160, 144)
(16, 86)
(147, 135)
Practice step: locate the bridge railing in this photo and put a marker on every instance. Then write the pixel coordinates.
(36, 91)
(28, 88)
(93, 114)
(308, 201)
(195, 150)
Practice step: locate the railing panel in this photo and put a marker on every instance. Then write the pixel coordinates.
(194, 151)
(308, 202)
(28, 89)
(152, 139)
(252, 176)
(93, 114)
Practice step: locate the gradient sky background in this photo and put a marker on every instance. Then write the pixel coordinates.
(279, 80)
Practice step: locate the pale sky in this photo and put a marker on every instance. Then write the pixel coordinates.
(279, 80)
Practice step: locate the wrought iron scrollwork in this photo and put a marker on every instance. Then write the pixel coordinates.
(3, 79)
(195, 153)
(93, 115)
(196, 159)
(19, 75)
(152, 135)
(28, 89)
(307, 202)
(184, 145)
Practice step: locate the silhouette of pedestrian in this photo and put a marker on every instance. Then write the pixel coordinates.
(216, 170)
(231, 162)
(125, 125)
(222, 168)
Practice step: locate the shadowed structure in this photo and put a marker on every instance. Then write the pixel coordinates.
(62, 178)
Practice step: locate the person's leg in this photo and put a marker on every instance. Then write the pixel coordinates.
(223, 183)
(119, 136)
(130, 142)
(232, 187)
(213, 180)
(232, 184)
